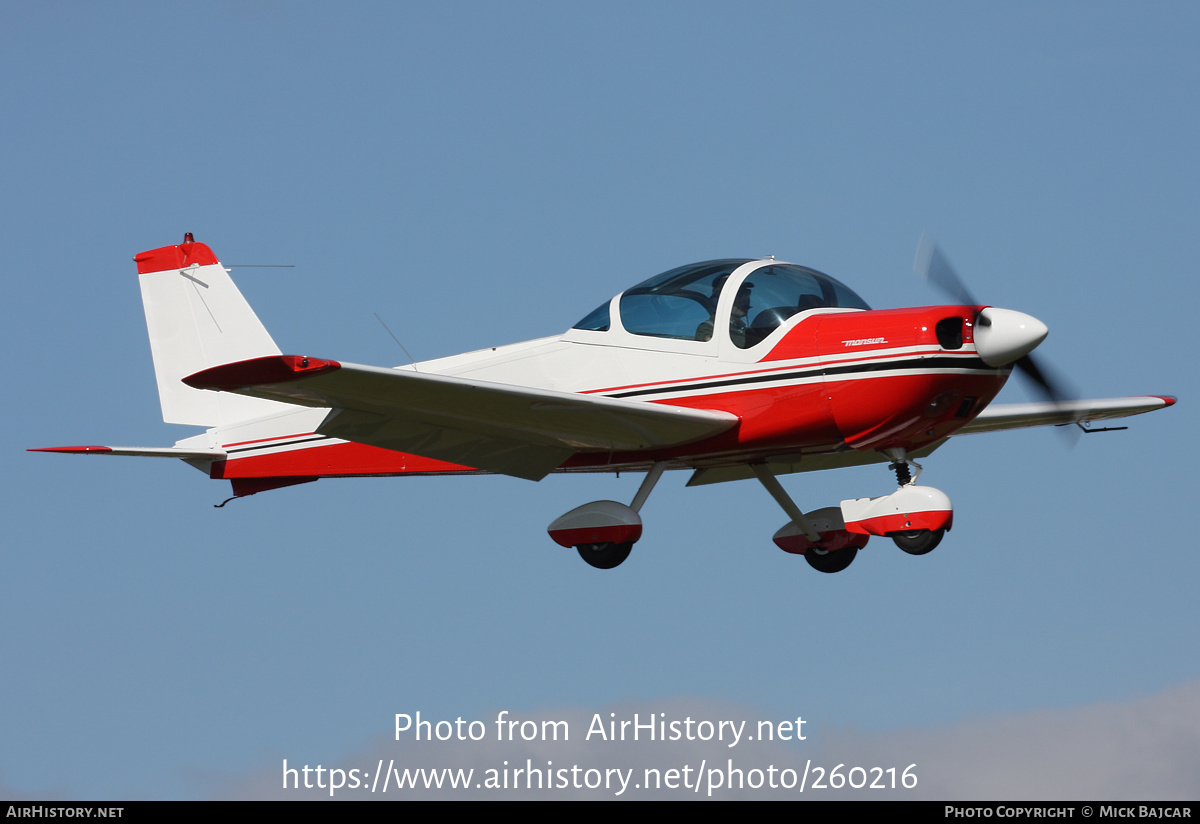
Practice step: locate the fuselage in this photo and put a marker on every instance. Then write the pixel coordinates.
(801, 361)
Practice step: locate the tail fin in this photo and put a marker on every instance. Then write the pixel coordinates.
(198, 319)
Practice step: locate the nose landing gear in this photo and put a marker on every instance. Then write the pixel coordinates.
(932, 511)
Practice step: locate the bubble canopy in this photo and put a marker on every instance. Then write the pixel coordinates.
(686, 303)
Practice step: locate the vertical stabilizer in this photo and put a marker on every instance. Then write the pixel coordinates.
(198, 319)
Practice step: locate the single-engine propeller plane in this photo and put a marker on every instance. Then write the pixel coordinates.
(733, 369)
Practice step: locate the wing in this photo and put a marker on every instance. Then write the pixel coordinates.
(1020, 415)
(992, 419)
(513, 430)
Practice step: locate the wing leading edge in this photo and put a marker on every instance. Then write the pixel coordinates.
(513, 430)
(1000, 416)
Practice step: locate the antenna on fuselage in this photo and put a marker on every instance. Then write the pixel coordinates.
(397, 340)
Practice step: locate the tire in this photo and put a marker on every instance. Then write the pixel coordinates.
(834, 561)
(918, 541)
(606, 555)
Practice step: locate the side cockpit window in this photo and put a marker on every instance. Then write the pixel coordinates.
(772, 294)
(680, 304)
(597, 319)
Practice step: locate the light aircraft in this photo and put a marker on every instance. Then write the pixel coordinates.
(733, 369)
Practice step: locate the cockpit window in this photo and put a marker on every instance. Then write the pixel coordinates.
(772, 294)
(682, 304)
(597, 319)
(679, 304)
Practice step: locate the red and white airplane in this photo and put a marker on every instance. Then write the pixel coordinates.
(733, 369)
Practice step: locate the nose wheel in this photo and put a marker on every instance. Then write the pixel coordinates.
(918, 541)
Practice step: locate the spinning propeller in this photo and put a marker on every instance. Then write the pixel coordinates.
(1002, 336)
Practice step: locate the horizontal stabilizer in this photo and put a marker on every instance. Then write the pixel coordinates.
(135, 451)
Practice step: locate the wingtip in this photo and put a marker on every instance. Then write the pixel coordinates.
(72, 450)
(230, 377)
(1168, 400)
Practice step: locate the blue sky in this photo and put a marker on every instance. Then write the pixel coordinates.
(482, 173)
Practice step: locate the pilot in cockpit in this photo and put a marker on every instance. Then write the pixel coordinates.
(737, 318)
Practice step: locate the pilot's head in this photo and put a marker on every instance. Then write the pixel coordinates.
(717, 285)
(741, 304)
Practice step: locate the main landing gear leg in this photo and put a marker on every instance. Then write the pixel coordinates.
(648, 484)
(820, 536)
(767, 478)
(604, 532)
